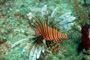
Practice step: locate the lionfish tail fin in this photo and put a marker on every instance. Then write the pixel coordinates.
(64, 36)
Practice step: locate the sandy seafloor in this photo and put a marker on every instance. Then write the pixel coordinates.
(13, 15)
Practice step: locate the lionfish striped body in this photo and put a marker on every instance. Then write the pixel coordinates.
(49, 33)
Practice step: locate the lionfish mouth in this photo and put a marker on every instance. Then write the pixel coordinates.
(46, 35)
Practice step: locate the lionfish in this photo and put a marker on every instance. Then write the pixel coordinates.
(47, 32)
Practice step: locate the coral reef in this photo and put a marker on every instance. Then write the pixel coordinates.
(15, 26)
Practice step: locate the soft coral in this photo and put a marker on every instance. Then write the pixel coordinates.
(85, 39)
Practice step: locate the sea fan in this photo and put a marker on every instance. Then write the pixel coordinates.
(47, 35)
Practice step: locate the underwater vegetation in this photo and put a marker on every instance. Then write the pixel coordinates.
(44, 30)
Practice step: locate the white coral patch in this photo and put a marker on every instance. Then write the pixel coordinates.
(18, 30)
(22, 31)
(30, 15)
